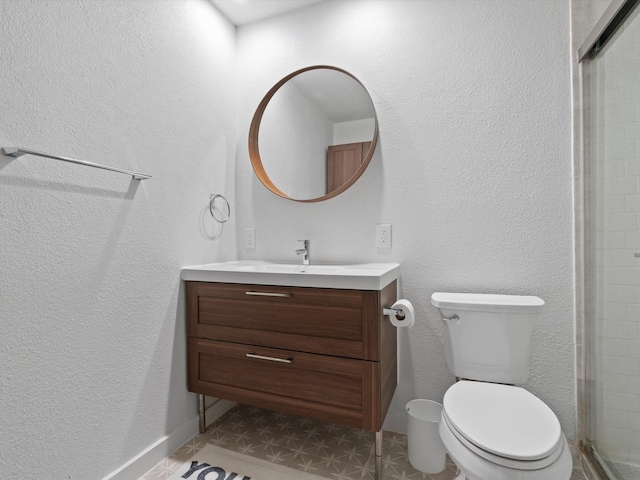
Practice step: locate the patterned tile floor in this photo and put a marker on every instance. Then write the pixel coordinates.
(324, 449)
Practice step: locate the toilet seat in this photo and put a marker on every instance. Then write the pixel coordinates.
(504, 424)
(475, 467)
(505, 462)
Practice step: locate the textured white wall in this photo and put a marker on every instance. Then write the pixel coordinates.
(354, 131)
(298, 167)
(473, 168)
(91, 314)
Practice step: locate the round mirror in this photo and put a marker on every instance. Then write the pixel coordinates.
(313, 134)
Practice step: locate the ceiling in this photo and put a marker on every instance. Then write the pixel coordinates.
(243, 12)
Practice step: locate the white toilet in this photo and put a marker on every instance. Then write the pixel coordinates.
(490, 428)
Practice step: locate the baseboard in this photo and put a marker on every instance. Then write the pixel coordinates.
(165, 446)
(217, 409)
(395, 422)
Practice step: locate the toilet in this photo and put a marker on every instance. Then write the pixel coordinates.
(491, 428)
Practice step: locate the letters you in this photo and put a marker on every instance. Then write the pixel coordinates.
(206, 469)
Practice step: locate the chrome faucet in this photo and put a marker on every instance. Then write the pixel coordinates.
(304, 252)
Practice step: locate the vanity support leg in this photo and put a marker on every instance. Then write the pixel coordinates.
(378, 455)
(201, 413)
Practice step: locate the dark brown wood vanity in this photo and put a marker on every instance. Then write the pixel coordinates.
(324, 353)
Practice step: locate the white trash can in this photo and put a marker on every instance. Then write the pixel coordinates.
(425, 448)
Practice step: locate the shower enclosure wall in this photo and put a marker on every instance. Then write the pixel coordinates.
(611, 79)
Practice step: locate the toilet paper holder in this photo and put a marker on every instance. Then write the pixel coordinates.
(401, 313)
(398, 312)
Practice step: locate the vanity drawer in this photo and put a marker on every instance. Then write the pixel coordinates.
(329, 388)
(314, 320)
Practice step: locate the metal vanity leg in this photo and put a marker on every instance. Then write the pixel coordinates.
(203, 423)
(378, 454)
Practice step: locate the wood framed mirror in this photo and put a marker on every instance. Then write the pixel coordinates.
(313, 134)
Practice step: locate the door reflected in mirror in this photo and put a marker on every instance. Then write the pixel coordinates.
(313, 134)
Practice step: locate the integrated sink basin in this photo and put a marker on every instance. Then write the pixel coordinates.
(363, 276)
(291, 268)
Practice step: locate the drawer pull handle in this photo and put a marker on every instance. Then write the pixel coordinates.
(268, 294)
(273, 359)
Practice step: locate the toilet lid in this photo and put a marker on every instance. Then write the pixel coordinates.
(504, 420)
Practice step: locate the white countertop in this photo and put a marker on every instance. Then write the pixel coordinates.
(364, 276)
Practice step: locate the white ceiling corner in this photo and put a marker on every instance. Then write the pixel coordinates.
(243, 12)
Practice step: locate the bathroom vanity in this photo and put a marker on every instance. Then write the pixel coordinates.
(281, 337)
(311, 340)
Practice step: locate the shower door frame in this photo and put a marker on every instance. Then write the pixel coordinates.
(612, 19)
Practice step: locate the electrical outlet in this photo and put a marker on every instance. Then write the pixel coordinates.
(249, 238)
(383, 235)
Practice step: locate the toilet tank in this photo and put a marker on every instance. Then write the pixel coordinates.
(490, 339)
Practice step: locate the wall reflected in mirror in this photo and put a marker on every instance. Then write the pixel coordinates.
(316, 134)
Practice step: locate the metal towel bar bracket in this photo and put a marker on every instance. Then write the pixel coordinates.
(16, 152)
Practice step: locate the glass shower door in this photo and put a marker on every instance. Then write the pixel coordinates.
(614, 235)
